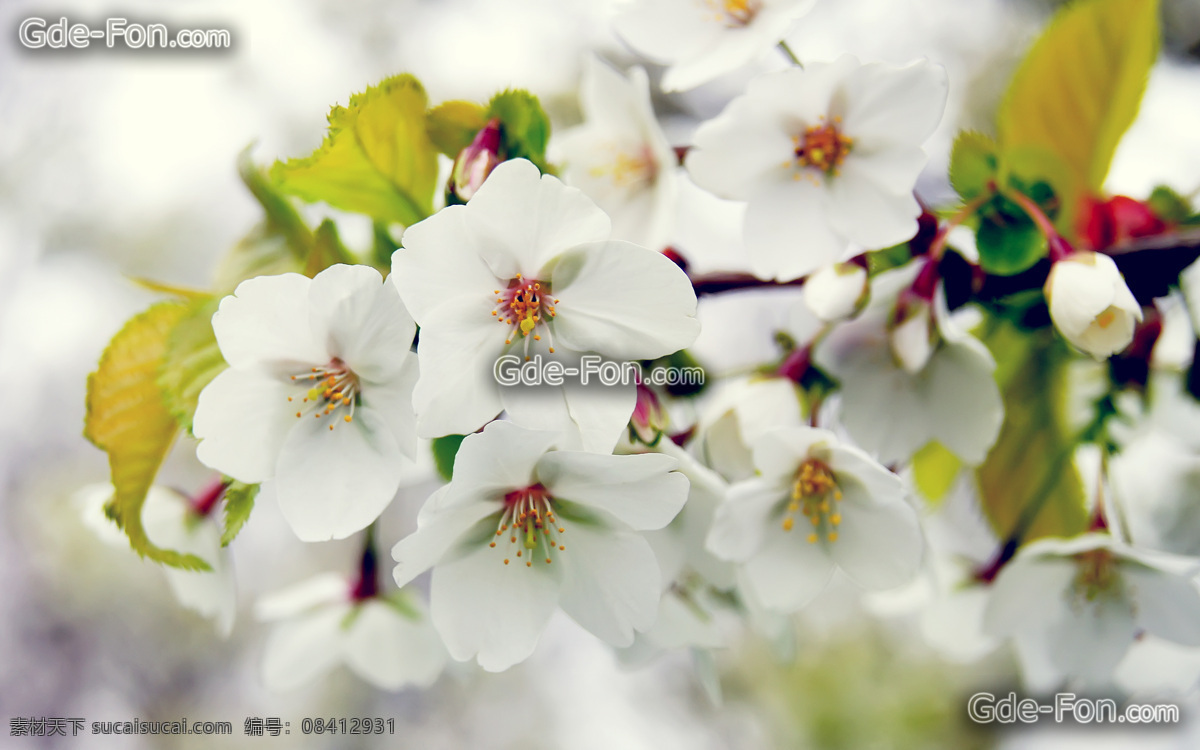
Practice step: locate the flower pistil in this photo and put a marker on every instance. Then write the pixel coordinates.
(334, 389)
(528, 519)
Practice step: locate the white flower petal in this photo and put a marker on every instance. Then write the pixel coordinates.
(390, 650)
(600, 414)
(392, 401)
(242, 420)
(622, 301)
(666, 30)
(496, 461)
(779, 453)
(895, 104)
(1092, 639)
(1028, 593)
(867, 214)
(1166, 605)
(788, 572)
(265, 322)
(788, 232)
(482, 607)
(520, 220)
(440, 528)
(327, 588)
(299, 651)
(438, 265)
(332, 483)
(361, 320)
(640, 491)
(611, 582)
(879, 542)
(740, 523)
(458, 348)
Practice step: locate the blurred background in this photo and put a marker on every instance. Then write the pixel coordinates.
(118, 166)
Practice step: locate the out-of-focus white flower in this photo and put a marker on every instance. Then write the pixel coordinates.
(687, 618)
(619, 156)
(824, 157)
(172, 523)
(526, 266)
(1073, 607)
(702, 39)
(837, 291)
(1189, 285)
(387, 640)
(738, 416)
(1090, 303)
(901, 392)
(317, 398)
(817, 505)
(523, 529)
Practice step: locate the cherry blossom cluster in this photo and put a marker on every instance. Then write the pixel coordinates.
(656, 519)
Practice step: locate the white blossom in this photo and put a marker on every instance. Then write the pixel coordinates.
(317, 398)
(523, 529)
(702, 39)
(816, 505)
(824, 157)
(1091, 305)
(526, 267)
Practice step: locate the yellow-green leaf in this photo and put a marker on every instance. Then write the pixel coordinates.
(934, 470)
(452, 125)
(327, 250)
(239, 501)
(126, 418)
(973, 164)
(1028, 485)
(190, 361)
(1080, 86)
(377, 158)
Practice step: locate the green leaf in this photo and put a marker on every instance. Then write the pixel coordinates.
(280, 243)
(1008, 243)
(126, 419)
(282, 218)
(239, 501)
(327, 251)
(1079, 87)
(934, 470)
(445, 449)
(1169, 205)
(377, 158)
(973, 164)
(526, 128)
(191, 359)
(1028, 483)
(452, 125)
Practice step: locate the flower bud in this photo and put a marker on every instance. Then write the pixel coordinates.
(649, 420)
(837, 291)
(474, 163)
(1090, 303)
(912, 335)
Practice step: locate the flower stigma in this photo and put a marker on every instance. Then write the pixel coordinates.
(812, 490)
(526, 307)
(823, 147)
(532, 528)
(334, 389)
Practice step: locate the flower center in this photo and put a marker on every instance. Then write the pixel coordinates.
(1106, 318)
(822, 147)
(1096, 576)
(734, 13)
(526, 307)
(811, 492)
(532, 528)
(331, 388)
(626, 170)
